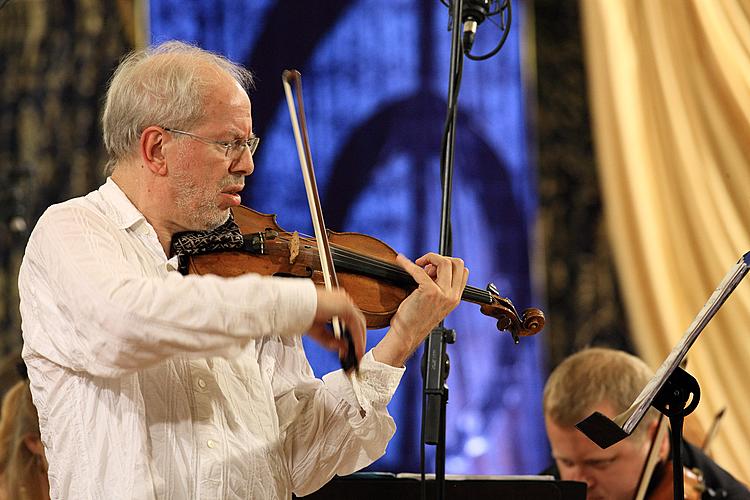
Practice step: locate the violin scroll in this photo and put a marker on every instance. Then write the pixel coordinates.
(529, 323)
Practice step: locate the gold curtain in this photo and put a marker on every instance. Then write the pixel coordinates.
(669, 86)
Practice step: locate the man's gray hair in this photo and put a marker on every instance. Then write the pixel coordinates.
(164, 85)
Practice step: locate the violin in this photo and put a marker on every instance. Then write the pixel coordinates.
(657, 483)
(366, 269)
(664, 489)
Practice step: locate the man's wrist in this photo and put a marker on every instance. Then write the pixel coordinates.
(392, 350)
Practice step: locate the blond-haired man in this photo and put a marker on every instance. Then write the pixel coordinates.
(608, 381)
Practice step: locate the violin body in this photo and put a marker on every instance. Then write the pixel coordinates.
(366, 268)
(692, 480)
(288, 255)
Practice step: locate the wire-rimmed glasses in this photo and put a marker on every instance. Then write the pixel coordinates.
(232, 149)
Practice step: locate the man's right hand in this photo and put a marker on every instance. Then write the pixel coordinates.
(338, 303)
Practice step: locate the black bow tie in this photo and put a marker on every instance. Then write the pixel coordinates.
(225, 237)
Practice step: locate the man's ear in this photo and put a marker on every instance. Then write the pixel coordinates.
(152, 150)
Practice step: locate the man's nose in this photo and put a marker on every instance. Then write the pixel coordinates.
(581, 474)
(244, 164)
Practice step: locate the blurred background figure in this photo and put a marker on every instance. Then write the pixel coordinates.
(23, 468)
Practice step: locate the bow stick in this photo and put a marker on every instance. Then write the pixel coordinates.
(301, 138)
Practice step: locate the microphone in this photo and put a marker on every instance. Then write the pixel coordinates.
(473, 12)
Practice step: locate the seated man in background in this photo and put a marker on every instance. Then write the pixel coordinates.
(608, 381)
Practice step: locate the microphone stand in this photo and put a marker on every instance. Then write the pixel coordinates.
(435, 362)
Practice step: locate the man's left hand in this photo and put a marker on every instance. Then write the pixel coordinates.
(441, 281)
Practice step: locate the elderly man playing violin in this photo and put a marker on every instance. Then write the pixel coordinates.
(150, 384)
(608, 381)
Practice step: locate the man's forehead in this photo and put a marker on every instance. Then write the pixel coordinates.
(578, 448)
(584, 455)
(229, 107)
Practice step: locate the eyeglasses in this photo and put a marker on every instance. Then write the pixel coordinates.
(232, 149)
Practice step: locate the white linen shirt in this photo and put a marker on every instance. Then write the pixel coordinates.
(150, 384)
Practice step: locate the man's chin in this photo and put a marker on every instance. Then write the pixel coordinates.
(209, 222)
(220, 219)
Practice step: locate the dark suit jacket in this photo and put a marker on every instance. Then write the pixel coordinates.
(719, 483)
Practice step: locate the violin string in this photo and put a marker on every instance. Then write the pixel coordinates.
(353, 259)
(348, 255)
(389, 271)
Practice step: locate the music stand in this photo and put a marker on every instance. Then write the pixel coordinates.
(672, 390)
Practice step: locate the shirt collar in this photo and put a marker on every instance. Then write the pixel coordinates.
(123, 211)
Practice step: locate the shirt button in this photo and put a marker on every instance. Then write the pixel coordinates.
(201, 383)
(211, 443)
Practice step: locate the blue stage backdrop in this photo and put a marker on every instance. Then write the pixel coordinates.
(375, 77)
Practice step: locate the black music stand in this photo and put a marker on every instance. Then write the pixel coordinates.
(672, 391)
(376, 486)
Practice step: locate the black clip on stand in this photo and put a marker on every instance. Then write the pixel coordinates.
(676, 400)
(435, 369)
(435, 377)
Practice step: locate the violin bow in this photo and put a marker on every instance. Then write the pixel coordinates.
(653, 453)
(301, 138)
(712, 431)
(652, 458)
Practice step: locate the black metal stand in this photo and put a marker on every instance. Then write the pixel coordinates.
(435, 360)
(677, 399)
(435, 368)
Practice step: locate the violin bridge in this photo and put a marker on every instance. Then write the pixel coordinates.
(293, 247)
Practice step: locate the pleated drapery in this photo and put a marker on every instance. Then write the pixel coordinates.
(669, 85)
